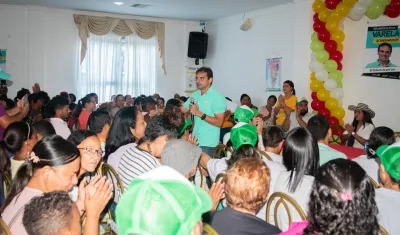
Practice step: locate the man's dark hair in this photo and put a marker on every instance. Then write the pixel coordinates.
(272, 136)
(147, 101)
(97, 120)
(44, 128)
(385, 44)
(48, 214)
(161, 99)
(206, 70)
(58, 102)
(318, 125)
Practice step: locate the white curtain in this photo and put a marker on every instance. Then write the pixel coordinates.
(118, 65)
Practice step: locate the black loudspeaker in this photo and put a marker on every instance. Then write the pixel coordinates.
(198, 43)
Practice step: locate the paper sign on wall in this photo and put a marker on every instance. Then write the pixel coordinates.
(191, 78)
(3, 59)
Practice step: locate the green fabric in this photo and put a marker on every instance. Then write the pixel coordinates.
(243, 114)
(211, 103)
(168, 207)
(243, 133)
(376, 64)
(187, 124)
(255, 111)
(327, 153)
(390, 159)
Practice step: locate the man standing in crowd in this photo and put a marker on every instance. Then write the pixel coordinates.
(208, 106)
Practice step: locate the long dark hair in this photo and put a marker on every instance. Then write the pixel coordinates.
(120, 131)
(379, 136)
(81, 104)
(291, 84)
(53, 151)
(13, 140)
(300, 156)
(330, 213)
(244, 151)
(78, 136)
(367, 119)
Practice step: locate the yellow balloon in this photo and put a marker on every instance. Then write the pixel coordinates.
(317, 6)
(338, 113)
(332, 26)
(338, 36)
(349, 3)
(324, 14)
(323, 94)
(340, 47)
(316, 85)
(312, 76)
(343, 9)
(331, 103)
(341, 122)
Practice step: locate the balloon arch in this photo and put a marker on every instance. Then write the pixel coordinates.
(326, 43)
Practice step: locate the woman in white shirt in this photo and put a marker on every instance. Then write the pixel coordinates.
(301, 159)
(357, 134)
(379, 136)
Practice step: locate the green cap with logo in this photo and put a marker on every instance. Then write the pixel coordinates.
(390, 159)
(243, 114)
(243, 133)
(161, 201)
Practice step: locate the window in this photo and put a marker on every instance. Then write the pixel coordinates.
(118, 65)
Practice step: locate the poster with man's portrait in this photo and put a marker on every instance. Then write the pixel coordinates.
(273, 74)
(382, 52)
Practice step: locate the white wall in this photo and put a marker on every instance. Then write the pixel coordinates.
(238, 59)
(43, 46)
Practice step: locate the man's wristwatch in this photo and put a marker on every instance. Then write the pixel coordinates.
(203, 116)
(353, 133)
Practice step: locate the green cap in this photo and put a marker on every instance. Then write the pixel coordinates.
(161, 201)
(255, 111)
(243, 133)
(302, 99)
(390, 159)
(243, 114)
(186, 125)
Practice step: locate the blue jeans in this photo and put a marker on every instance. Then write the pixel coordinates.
(207, 150)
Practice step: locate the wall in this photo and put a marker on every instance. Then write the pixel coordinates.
(238, 58)
(43, 46)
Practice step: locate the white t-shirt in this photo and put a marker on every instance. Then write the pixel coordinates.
(293, 120)
(275, 157)
(61, 127)
(369, 165)
(388, 202)
(364, 132)
(301, 196)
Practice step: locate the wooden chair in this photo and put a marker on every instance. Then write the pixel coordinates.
(209, 230)
(4, 230)
(219, 151)
(264, 154)
(382, 230)
(221, 177)
(373, 182)
(283, 199)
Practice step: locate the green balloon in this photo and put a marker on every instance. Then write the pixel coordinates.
(383, 2)
(339, 84)
(322, 56)
(336, 75)
(330, 66)
(375, 10)
(314, 36)
(317, 46)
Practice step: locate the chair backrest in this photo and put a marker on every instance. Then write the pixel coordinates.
(221, 178)
(219, 151)
(284, 200)
(373, 182)
(209, 230)
(264, 154)
(112, 175)
(4, 230)
(382, 230)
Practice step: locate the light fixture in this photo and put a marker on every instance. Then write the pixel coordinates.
(141, 5)
(118, 3)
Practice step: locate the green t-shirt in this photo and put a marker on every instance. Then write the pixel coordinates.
(327, 153)
(376, 64)
(211, 103)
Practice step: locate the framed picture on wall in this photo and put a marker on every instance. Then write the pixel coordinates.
(273, 74)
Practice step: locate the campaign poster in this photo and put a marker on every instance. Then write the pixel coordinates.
(273, 74)
(382, 52)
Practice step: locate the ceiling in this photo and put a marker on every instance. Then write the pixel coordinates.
(197, 10)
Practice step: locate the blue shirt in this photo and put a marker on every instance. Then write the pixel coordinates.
(211, 103)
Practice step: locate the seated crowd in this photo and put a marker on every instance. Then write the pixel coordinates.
(134, 165)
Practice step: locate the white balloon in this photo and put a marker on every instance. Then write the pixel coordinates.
(321, 75)
(315, 66)
(340, 103)
(365, 3)
(330, 84)
(337, 93)
(359, 9)
(341, 26)
(313, 56)
(354, 16)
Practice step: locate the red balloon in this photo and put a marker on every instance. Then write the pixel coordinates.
(324, 112)
(330, 46)
(324, 36)
(392, 11)
(319, 26)
(317, 105)
(336, 56)
(333, 120)
(337, 130)
(331, 4)
(314, 95)
(315, 18)
(339, 66)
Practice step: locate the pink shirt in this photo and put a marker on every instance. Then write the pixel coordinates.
(15, 210)
(296, 228)
(83, 119)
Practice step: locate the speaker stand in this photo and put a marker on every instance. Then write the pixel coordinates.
(196, 61)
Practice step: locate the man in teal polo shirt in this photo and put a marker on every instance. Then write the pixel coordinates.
(384, 53)
(208, 108)
(320, 129)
